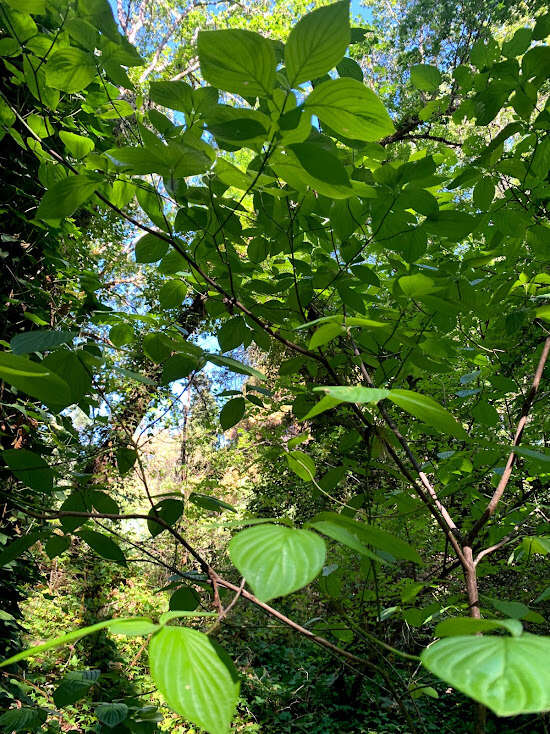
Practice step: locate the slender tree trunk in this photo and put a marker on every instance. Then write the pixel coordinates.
(470, 575)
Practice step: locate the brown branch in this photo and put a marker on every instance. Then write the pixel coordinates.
(512, 458)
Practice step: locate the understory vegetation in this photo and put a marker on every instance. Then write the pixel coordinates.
(274, 367)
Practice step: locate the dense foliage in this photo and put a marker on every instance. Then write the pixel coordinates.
(316, 390)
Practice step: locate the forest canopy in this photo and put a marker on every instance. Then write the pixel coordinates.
(274, 366)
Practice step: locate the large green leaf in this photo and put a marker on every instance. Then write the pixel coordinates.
(103, 545)
(425, 77)
(33, 379)
(29, 468)
(343, 534)
(509, 675)
(150, 249)
(18, 547)
(317, 43)
(41, 340)
(174, 95)
(74, 686)
(124, 626)
(276, 560)
(351, 109)
(234, 365)
(169, 509)
(65, 197)
(428, 411)
(195, 677)
(372, 535)
(70, 70)
(237, 61)
(321, 164)
(232, 412)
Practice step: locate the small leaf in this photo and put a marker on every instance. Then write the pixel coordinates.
(56, 545)
(509, 675)
(232, 412)
(301, 464)
(125, 459)
(111, 714)
(276, 560)
(195, 677)
(77, 145)
(234, 365)
(207, 502)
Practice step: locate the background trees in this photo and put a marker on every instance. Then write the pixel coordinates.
(280, 326)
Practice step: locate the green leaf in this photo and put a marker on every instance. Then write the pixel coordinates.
(111, 714)
(23, 719)
(232, 412)
(509, 675)
(458, 626)
(416, 285)
(77, 145)
(326, 403)
(102, 545)
(317, 43)
(70, 70)
(354, 394)
(425, 77)
(276, 560)
(33, 379)
(350, 109)
(178, 366)
(170, 510)
(18, 547)
(125, 459)
(207, 502)
(56, 545)
(195, 677)
(174, 95)
(29, 468)
(185, 599)
(157, 346)
(234, 365)
(301, 464)
(65, 197)
(237, 61)
(69, 637)
(133, 627)
(344, 535)
(172, 293)
(74, 686)
(150, 249)
(543, 313)
(321, 164)
(371, 535)
(428, 411)
(41, 340)
(325, 334)
(121, 334)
